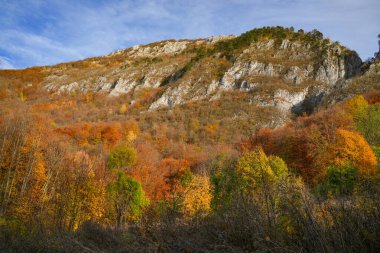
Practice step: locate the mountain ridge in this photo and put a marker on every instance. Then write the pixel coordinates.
(293, 72)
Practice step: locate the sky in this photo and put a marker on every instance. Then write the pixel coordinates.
(46, 32)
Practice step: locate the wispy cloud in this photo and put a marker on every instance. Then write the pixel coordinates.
(37, 32)
(5, 63)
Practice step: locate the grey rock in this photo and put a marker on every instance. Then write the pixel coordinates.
(291, 77)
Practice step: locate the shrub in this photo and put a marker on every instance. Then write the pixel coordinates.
(339, 181)
(122, 156)
(127, 199)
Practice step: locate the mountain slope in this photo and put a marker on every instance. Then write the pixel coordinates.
(284, 66)
(275, 67)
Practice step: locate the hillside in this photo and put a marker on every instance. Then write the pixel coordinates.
(277, 67)
(262, 142)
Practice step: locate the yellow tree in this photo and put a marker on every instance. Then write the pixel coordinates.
(22, 170)
(29, 198)
(254, 171)
(79, 195)
(352, 148)
(197, 198)
(260, 177)
(357, 106)
(87, 193)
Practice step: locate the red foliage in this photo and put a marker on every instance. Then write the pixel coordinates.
(373, 97)
(306, 144)
(87, 133)
(154, 178)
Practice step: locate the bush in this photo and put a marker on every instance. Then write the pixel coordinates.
(122, 156)
(339, 181)
(126, 198)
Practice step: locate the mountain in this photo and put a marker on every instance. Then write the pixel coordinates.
(276, 68)
(259, 142)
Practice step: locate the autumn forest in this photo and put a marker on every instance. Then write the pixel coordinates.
(89, 172)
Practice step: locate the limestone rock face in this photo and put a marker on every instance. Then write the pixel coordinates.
(123, 86)
(336, 65)
(171, 47)
(286, 100)
(289, 75)
(242, 70)
(171, 97)
(283, 99)
(374, 68)
(215, 39)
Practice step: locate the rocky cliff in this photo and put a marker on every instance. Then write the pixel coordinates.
(276, 67)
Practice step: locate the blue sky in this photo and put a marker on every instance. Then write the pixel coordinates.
(45, 32)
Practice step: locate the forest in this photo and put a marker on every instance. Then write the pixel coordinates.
(85, 171)
(89, 173)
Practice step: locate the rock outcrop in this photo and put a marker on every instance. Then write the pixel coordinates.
(292, 74)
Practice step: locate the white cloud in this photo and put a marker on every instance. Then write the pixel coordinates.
(47, 32)
(5, 63)
(39, 49)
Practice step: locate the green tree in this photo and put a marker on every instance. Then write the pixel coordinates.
(368, 123)
(260, 178)
(254, 172)
(340, 180)
(122, 156)
(254, 175)
(357, 106)
(279, 167)
(376, 151)
(178, 183)
(223, 181)
(127, 199)
(366, 118)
